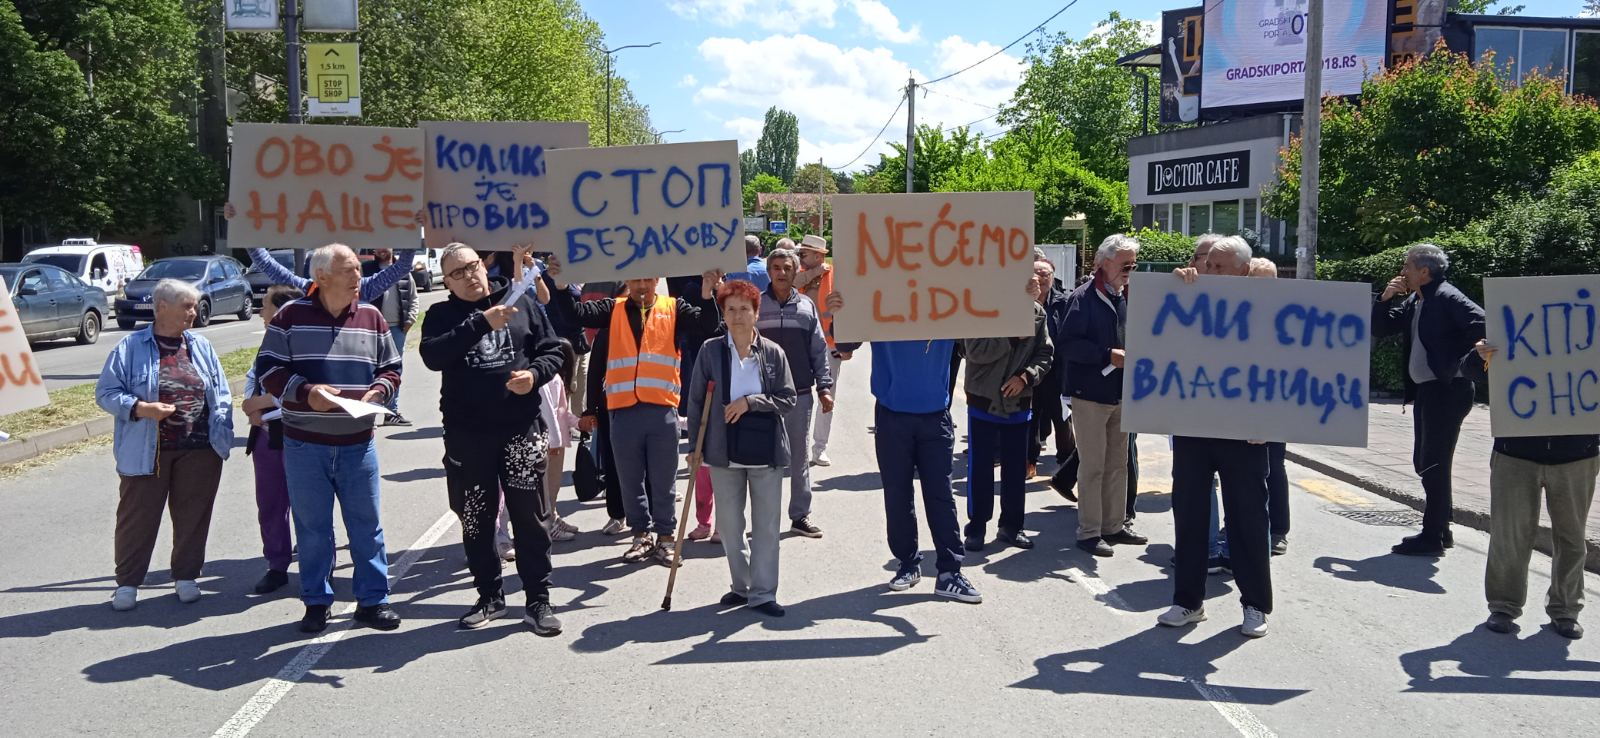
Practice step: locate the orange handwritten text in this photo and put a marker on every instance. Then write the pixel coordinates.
(403, 160)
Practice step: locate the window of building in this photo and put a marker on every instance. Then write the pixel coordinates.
(1505, 43)
(1521, 52)
(1199, 219)
(1586, 64)
(1225, 217)
(1252, 224)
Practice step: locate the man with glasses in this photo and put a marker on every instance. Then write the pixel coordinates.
(1091, 355)
(493, 355)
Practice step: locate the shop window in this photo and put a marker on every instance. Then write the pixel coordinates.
(1586, 64)
(1225, 217)
(1250, 216)
(1199, 220)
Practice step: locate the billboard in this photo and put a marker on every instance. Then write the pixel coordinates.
(1181, 37)
(1255, 49)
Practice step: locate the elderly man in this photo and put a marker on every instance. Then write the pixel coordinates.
(643, 387)
(792, 321)
(399, 307)
(755, 270)
(1440, 327)
(1091, 354)
(493, 356)
(327, 346)
(1243, 468)
(1048, 412)
(165, 388)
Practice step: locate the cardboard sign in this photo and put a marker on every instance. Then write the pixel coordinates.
(297, 186)
(933, 265)
(632, 212)
(487, 183)
(21, 388)
(1545, 379)
(1248, 359)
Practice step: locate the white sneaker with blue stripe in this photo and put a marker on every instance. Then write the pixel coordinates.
(956, 587)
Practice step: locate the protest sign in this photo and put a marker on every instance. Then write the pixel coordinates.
(1248, 359)
(297, 186)
(631, 212)
(1545, 378)
(20, 385)
(933, 265)
(486, 183)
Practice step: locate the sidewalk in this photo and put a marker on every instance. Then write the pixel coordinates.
(1384, 467)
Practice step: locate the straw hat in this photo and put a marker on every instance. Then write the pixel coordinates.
(814, 242)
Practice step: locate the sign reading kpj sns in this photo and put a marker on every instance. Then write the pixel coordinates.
(487, 183)
(634, 212)
(1545, 378)
(1248, 359)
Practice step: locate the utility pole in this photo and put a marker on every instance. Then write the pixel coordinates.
(291, 43)
(911, 130)
(822, 171)
(1311, 146)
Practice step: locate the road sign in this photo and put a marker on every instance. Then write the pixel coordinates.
(778, 226)
(251, 15)
(755, 223)
(334, 77)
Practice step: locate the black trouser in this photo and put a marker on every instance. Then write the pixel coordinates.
(478, 465)
(1047, 419)
(1243, 469)
(1277, 490)
(606, 461)
(1440, 409)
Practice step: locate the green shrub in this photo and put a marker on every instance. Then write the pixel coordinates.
(1157, 245)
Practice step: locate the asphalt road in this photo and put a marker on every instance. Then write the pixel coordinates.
(1362, 643)
(64, 363)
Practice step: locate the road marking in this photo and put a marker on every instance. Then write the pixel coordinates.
(1332, 493)
(1098, 588)
(1241, 718)
(276, 688)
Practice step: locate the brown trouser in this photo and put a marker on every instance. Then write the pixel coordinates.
(186, 483)
(1102, 468)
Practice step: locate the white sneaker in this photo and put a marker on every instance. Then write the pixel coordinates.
(820, 458)
(188, 591)
(1177, 617)
(1255, 623)
(125, 598)
(614, 527)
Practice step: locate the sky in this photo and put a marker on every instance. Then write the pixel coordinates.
(841, 65)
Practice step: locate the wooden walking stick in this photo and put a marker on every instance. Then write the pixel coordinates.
(688, 497)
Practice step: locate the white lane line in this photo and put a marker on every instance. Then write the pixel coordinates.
(278, 686)
(1097, 587)
(1242, 719)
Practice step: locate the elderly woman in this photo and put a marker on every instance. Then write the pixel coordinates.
(174, 426)
(745, 445)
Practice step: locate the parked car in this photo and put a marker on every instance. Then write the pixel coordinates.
(220, 279)
(53, 303)
(258, 279)
(108, 266)
(425, 269)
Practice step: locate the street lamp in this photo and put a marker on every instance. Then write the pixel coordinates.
(608, 53)
(659, 134)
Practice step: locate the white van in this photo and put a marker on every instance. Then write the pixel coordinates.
(108, 266)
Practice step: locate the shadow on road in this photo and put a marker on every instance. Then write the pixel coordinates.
(1486, 662)
(1120, 668)
(1400, 572)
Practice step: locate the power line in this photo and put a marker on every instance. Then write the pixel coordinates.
(1007, 47)
(961, 99)
(875, 139)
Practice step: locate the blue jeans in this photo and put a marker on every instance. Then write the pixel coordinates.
(913, 446)
(317, 475)
(398, 334)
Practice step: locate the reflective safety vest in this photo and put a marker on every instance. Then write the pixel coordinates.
(648, 374)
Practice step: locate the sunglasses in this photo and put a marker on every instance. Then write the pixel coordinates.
(462, 271)
(1130, 267)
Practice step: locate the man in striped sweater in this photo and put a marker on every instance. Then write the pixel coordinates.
(325, 345)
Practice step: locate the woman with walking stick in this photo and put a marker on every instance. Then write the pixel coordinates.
(745, 444)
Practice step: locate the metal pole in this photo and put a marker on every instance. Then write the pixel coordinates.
(822, 171)
(608, 98)
(291, 39)
(911, 131)
(1311, 146)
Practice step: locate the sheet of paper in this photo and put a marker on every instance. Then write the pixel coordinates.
(521, 286)
(357, 408)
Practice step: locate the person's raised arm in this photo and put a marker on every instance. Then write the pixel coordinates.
(374, 286)
(262, 260)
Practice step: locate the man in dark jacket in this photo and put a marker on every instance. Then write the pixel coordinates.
(1091, 354)
(1565, 468)
(1440, 327)
(1047, 409)
(493, 358)
(792, 321)
(1001, 376)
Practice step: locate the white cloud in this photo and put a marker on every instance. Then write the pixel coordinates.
(688, 81)
(770, 15)
(843, 95)
(880, 20)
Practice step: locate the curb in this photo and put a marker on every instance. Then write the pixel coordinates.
(11, 453)
(1476, 519)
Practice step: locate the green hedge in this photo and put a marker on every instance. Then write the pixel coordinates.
(1157, 245)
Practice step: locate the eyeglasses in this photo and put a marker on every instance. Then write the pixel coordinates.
(462, 271)
(1130, 267)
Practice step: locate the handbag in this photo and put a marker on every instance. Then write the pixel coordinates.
(587, 478)
(752, 440)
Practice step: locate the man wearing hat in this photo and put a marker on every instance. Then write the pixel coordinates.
(815, 281)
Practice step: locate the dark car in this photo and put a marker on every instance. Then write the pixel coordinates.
(220, 279)
(53, 303)
(258, 279)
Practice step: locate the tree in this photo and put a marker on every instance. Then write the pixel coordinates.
(761, 183)
(847, 184)
(779, 144)
(1431, 146)
(748, 169)
(810, 175)
(936, 154)
(1079, 85)
(1484, 6)
(1591, 7)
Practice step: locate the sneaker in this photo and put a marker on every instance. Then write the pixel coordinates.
(805, 527)
(488, 608)
(734, 599)
(1219, 565)
(507, 551)
(769, 608)
(188, 591)
(1255, 623)
(1126, 537)
(640, 550)
(540, 616)
(1500, 622)
(700, 533)
(663, 552)
(397, 419)
(1018, 540)
(1280, 545)
(378, 617)
(124, 598)
(614, 527)
(1567, 628)
(905, 579)
(558, 533)
(315, 620)
(1178, 616)
(566, 525)
(1096, 546)
(1418, 545)
(271, 582)
(820, 458)
(955, 586)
